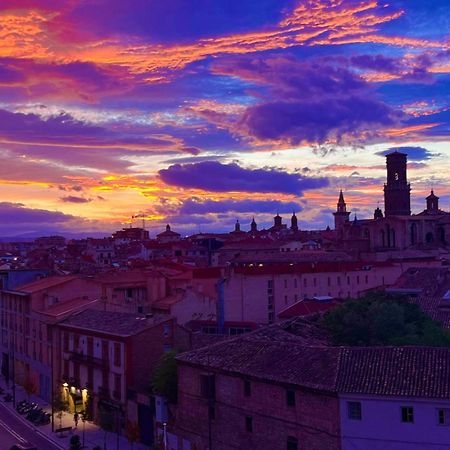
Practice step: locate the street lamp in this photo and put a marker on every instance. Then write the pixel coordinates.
(165, 435)
(83, 419)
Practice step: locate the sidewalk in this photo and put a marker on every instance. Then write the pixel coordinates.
(93, 435)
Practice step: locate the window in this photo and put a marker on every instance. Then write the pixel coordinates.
(354, 410)
(290, 397)
(407, 414)
(247, 388)
(285, 284)
(76, 341)
(249, 424)
(117, 387)
(66, 342)
(208, 386)
(443, 416)
(117, 354)
(292, 443)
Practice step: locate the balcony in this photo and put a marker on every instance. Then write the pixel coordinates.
(88, 360)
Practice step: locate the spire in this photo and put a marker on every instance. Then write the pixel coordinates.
(432, 203)
(294, 223)
(277, 221)
(341, 205)
(237, 226)
(253, 226)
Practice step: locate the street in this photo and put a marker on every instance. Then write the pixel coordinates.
(13, 431)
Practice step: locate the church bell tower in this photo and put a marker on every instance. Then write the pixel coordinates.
(341, 215)
(397, 189)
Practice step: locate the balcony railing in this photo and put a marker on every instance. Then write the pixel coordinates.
(89, 360)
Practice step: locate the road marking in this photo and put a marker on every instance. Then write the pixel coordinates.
(12, 432)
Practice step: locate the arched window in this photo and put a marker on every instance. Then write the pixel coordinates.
(429, 238)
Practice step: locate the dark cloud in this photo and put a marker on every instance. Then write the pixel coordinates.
(80, 80)
(314, 101)
(217, 177)
(16, 213)
(64, 129)
(76, 188)
(414, 153)
(197, 206)
(75, 199)
(316, 121)
(379, 63)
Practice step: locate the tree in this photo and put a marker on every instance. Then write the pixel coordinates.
(165, 377)
(74, 443)
(132, 432)
(59, 405)
(383, 319)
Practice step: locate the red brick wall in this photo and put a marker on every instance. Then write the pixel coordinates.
(314, 420)
(146, 349)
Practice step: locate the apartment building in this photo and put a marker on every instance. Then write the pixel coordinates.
(107, 361)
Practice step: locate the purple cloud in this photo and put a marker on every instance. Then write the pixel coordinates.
(379, 63)
(17, 213)
(314, 101)
(316, 121)
(414, 153)
(197, 206)
(75, 199)
(63, 129)
(217, 177)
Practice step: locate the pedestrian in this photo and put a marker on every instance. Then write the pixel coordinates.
(75, 419)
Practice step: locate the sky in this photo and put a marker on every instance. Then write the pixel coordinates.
(199, 113)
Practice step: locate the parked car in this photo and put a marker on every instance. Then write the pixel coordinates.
(23, 446)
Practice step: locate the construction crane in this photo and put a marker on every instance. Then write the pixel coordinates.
(139, 216)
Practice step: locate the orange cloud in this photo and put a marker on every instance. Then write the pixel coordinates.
(31, 34)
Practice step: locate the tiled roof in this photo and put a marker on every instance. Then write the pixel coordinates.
(44, 283)
(68, 307)
(293, 353)
(396, 371)
(115, 323)
(306, 307)
(282, 362)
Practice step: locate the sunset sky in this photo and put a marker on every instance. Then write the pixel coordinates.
(200, 112)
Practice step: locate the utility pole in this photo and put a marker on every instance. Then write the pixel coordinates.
(52, 378)
(14, 365)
